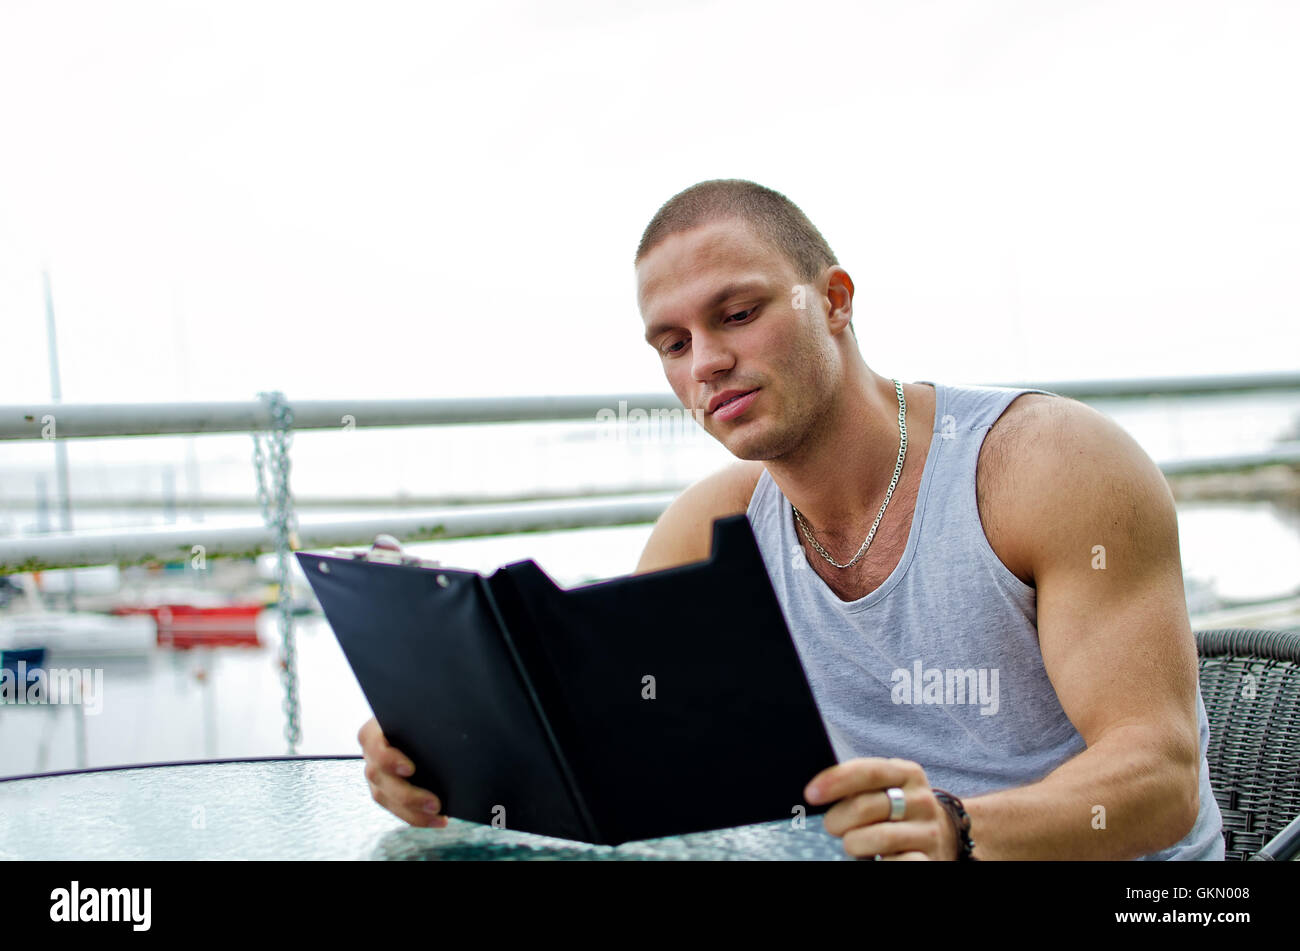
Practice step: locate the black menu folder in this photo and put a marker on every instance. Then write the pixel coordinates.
(642, 706)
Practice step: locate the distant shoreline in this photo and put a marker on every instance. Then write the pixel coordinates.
(1278, 483)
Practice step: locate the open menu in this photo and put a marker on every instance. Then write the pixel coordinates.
(633, 708)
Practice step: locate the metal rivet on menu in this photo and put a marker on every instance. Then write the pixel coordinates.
(324, 568)
(442, 581)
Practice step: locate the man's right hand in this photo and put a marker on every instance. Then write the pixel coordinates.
(387, 767)
(386, 771)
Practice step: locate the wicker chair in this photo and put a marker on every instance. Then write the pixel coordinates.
(1250, 682)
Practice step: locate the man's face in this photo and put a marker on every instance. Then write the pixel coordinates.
(725, 313)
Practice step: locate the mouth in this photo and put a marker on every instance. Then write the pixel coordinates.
(731, 403)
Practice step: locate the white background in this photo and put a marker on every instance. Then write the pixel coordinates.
(411, 199)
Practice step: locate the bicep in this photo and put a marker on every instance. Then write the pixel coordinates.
(1112, 616)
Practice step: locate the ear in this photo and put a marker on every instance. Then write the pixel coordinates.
(839, 294)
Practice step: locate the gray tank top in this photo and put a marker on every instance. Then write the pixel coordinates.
(940, 664)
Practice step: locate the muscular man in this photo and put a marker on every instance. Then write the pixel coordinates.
(983, 584)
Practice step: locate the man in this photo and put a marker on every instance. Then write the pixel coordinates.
(984, 585)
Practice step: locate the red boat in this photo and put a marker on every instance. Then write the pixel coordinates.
(184, 626)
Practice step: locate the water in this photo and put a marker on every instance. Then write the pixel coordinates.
(197, 704)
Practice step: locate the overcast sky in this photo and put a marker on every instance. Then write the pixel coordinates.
(410, 199)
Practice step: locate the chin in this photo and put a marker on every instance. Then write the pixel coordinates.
(754, 446)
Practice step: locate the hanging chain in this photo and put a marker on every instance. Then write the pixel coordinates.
(276, 500)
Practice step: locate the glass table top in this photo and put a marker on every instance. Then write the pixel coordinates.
(309, 808)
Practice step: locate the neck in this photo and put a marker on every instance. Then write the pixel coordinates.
(838, 476)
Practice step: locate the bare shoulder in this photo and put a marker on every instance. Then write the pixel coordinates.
(1038, 431)
(1029, 418)
(1049, 463)
(684, 532)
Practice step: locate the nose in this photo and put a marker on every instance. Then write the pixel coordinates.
(709, 357)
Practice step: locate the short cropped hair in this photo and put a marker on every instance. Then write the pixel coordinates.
(774, 217)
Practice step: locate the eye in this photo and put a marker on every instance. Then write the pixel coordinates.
(675, 347)
(742, 315)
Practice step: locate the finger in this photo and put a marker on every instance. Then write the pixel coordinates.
(381, 753)
(906, 857)
(385, 767)
(863, 775)
(396, 762)
(890, 838)
(411, 803)
(374, 745)
(919, 804)
(384, 540)
(369, 734)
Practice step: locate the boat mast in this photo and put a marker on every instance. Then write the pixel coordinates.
(60, 447)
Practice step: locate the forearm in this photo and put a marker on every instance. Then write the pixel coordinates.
(1127, 795)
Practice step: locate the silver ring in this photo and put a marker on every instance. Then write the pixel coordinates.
(897, 803)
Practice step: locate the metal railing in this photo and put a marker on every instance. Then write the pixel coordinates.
(179, 544)
(70, 420)
(86, 420)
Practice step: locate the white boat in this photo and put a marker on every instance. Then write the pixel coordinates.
(68, 634)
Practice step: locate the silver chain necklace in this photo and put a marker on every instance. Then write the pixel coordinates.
(902, 454)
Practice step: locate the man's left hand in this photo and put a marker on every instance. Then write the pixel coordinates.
(861, 816)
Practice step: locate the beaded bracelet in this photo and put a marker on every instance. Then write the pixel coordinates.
(960, 823)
